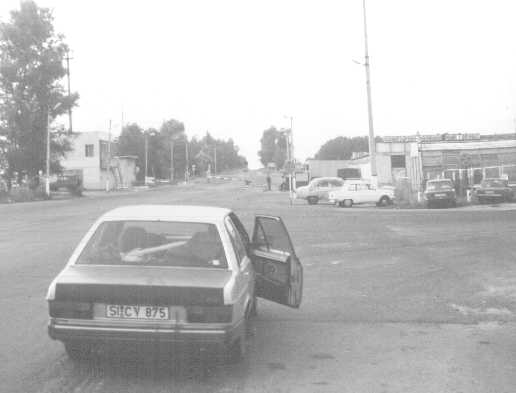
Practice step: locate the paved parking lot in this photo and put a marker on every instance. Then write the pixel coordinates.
(394, 301)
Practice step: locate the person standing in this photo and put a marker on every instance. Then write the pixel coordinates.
(269, 181)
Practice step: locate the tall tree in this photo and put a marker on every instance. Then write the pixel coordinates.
(169, 131)
(31, 69)
(273, 147)
(131, 142)
(342, 148)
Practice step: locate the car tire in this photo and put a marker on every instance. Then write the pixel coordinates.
(384, 201)
(77, 351)
(312, 200)
(347, 202)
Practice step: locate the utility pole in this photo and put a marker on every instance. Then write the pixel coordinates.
(47, 161)
(68, 58)
(186, 159)
(215, 158)
(171, 159)
(108, 165)
(291, 160)
(372, 144)
(146, 173)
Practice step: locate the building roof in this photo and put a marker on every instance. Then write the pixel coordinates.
(167, 213)
(468, 145)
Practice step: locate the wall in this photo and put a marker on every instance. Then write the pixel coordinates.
(90, 166)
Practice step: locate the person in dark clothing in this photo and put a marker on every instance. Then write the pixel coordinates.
(269, 181)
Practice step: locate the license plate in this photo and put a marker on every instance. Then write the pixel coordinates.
(119, 311)
(440, 195)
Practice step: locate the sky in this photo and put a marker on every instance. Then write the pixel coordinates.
(236, 67)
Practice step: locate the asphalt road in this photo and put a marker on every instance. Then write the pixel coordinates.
(394, 301)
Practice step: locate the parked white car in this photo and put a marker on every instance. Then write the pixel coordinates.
(360, 191)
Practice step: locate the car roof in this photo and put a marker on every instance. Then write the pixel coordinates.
(167, 213)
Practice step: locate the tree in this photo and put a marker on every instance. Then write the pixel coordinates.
(273, 147)
(131, 142)
(169, 131)
(341, 148)
(31, 68)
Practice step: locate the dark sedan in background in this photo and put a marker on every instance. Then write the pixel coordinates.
(440, 192)
(494, 190)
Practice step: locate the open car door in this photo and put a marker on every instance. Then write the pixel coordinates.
(279, 274)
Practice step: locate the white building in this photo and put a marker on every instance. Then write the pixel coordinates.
(90, 154)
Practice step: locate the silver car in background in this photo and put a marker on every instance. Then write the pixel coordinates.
(318, 189)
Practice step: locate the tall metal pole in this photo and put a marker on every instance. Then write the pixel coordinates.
(186, 159)
(68, 58)
(108, 166)
(215, 158)
(171, 160)
(47, 161)
(372, 144)
(146, 173)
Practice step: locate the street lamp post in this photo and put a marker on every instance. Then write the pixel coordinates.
(291, 161)
(372, 144)
(146, 136)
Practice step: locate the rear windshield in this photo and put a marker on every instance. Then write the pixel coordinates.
(438, 185)
(494, 183)
(155, 243)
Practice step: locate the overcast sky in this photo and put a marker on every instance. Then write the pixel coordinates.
(236, 67)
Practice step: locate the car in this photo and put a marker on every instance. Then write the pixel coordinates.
(361, 191)
(494, 190)
(440, 192)
(171, 275)
(318, 189)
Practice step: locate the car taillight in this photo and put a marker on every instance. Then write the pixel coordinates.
(64, 309)
(200, 314)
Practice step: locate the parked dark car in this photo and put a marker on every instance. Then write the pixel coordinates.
(494, 190)
(440, 193)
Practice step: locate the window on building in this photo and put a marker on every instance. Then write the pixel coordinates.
(89, 150)
(398, 161)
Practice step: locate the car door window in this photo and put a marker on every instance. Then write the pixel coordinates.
(272, 237)
(336, 184)
(322, 184)
(241, 229)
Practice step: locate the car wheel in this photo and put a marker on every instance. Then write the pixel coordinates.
(312, 200)
(77, 351)
(384, 201)
(348, 202)
(236, 351)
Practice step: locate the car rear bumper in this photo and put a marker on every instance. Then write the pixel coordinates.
(209, 334)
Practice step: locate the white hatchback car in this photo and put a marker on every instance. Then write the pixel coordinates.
(171, 275)
(361, 191)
